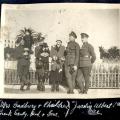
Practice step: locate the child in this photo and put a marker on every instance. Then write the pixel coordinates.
(55, 73)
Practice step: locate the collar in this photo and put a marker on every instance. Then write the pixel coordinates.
(58, 46)
(85, 43)
(71, 41)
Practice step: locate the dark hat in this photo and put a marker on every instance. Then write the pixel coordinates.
(45, 44)
(83, 35)
(59, 41)
(73, 34)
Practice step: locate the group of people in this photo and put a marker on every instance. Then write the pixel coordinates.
(75, 61)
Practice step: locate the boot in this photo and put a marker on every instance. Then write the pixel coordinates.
(81, 92)
(57, 88)
(39, 87)
(28, 86)
(22, 87)
(52, 88)
(85, 91)
(70, 92)
(43, 87)
(39, 84)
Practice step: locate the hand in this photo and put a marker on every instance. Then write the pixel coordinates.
(75, 67)
(44, 54)
(62, 59)
(55, 58)
(60, 70)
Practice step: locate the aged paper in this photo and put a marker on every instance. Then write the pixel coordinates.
(55, 22)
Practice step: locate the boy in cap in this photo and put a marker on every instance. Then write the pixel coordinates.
(22, 54)
(71, 61)
(57, 55)
(87, 58)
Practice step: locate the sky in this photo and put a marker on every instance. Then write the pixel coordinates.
(102, 25)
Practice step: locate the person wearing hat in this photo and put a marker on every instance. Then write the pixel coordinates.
(22, 55)
(42, 64)
(87, 58)
(71, 61)
(57, 61)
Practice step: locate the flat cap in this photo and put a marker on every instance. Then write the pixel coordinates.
(73, 34)
(59, 41)
(84, 35)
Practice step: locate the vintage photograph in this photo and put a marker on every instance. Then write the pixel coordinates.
(69, 50)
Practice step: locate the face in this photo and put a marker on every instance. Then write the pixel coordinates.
(22, 42)
(71, 38)
(58, 43)
(26, 53)
(27, 33)
(85, 39)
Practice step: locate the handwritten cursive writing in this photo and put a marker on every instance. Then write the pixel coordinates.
(58, 104)
(118, 104)
(24, 105)
(5, 113)
(93, 112)
(4, 104)
(20, 113)
(52, 108)
(52, 114)
(35, 113)
(103, 105)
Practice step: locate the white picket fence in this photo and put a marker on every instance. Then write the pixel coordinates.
(103, 75)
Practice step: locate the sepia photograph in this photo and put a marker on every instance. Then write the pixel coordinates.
(60, 51)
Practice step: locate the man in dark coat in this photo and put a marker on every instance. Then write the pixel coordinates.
(71, 62)
(22, 54)
(42, 64)
(87, 58)
(57, 55)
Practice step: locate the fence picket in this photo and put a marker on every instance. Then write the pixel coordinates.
(103, 75)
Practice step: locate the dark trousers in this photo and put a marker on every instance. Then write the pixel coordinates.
(42, 71)
(55, 78)
(23, 72)
(83, 78)
(40, 77)
(70, 78)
